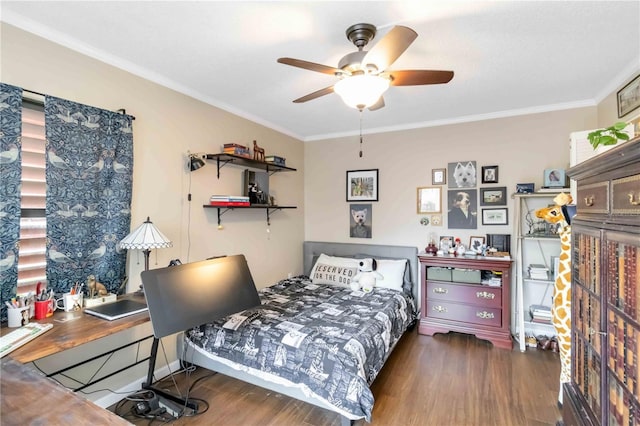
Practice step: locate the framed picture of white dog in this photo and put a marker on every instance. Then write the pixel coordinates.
(362, 185)
(360, 220)
(462, 174)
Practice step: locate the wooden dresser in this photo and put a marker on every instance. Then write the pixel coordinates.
(605, 382)
(454, 300)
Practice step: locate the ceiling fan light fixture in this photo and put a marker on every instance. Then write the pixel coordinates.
(361, 91)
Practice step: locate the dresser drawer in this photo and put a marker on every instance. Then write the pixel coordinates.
(464, 313)
(593, 198)
(625, 194)
(473, 294)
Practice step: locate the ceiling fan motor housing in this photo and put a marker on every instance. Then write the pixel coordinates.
(361, 34)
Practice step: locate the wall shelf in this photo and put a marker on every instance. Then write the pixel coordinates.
(237, 160)
(269, 209)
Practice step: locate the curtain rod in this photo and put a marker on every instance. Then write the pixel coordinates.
(121, 110)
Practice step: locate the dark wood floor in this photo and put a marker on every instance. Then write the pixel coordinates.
(448, 379)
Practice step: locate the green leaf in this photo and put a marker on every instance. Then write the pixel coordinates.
(619, 125)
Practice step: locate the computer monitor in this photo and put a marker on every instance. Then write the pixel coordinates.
(184, 296)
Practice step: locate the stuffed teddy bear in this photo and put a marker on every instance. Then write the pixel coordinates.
(366, 276)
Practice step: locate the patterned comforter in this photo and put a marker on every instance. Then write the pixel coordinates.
(328, 338)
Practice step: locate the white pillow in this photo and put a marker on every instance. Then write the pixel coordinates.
(393, 273)
(334, 270)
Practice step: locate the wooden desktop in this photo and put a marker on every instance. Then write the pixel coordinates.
(28, 397)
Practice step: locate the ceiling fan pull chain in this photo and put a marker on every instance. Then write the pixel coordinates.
(360, 133)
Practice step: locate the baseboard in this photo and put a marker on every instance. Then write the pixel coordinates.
(113, 397)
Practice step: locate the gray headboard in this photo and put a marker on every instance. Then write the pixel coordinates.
(313, 249)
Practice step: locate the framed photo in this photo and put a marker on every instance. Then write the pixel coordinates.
(524, 188)
(495, 216)
(629, 97)
(501, 242)
(462, 174)
(436, 219)
(360, 220)
(462, 208)
(489, 174)
(554, 178)
(429, 199)
(438, 176)
(493, 196)
(476, 243)
(446, 242)
(362, 185)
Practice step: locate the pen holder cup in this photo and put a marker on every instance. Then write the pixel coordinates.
(70, 302)
(17, 317)
(45, 308)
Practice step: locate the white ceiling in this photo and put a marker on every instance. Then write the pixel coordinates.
(509, 57)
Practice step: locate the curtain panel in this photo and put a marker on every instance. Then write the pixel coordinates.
(10, 175)
(89, 179)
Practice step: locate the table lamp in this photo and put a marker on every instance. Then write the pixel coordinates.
(145, 237)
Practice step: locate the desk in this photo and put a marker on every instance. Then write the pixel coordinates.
(77, 329)
(26, 393)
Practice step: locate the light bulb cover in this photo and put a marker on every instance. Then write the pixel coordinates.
(361, 91)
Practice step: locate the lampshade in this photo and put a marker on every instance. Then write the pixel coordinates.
(145, 237)
(195, 162)
(361, 91)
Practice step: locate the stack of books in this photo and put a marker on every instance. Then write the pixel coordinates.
(553, 189)
(229, 201)
(491, 278)
(278, 161)
(236, 149)
(540, 314)
(538, 272)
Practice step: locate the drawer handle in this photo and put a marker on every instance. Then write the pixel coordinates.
(440, 309)
(632, 199)
(485, 295)
(485, 315)
(440, 290)
(589, 201)
(593, 331)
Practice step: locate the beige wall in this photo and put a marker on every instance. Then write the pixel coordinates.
(522, 147)
(167, 125)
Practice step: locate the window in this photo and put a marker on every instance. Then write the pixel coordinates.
(33, 224)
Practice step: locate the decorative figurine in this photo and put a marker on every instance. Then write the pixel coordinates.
(258, 153)
(96, 288)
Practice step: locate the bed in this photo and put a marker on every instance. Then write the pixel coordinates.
(318, 342)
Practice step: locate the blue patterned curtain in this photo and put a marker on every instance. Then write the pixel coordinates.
(89, 178)
(10, 174)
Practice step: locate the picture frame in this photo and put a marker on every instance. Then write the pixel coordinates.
(555, 178)
(462, 174)
(629, 97)
(436, 219)
(360, 220)
(362, 185)
(446, 242)
(501, 242)
(525, 188)
(476, 243)
(429, 199)
(493, 196)
(489, 174)
(438, 176)
(495, 216)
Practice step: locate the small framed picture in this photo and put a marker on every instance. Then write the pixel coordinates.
(493, 196)
(495, 216)
(446, 242)
(429, 199)
(554, 178)
(629, 97)
(476, 243)
(489, 174)
(362, 185)
(436, 219)
(525, 188)
(438, 176)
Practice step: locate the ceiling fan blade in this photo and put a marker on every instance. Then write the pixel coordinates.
(390, 47)
(314, 95)
(419, 77)
(377, 105)
(325, 69)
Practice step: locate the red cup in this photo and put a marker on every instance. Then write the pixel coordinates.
(44, 308)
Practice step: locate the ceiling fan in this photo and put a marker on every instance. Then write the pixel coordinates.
(364, 75)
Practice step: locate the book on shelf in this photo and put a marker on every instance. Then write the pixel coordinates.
(279, 161)
(552, 189)
(229, 200)
(235, 145)
(242, 152)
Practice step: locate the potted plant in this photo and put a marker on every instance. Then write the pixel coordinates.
(609, 135)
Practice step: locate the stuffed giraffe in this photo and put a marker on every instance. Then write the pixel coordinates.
(561, 317)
